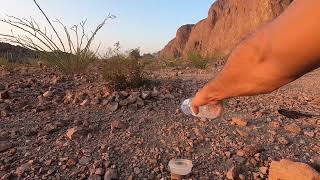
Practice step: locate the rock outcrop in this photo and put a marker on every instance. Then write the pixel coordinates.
(176, 46)
(227, 23)
(289, 170)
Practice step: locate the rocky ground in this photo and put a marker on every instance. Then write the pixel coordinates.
(74, 127)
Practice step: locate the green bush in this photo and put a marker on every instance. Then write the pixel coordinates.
(123, 72)
(197, 60)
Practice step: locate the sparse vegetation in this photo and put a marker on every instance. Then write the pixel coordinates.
(123, 72)
(71, 54)
(197, 60)
(6, 64)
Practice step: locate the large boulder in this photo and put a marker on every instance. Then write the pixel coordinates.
(289, 170)
(227, 23)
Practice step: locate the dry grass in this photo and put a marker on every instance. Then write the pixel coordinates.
(69, 51)
(123, 72)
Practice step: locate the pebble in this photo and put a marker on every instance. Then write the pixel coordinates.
(283, 140)
(94, 177)
(293, 128)
(116, 124)
(4, 146)
(4, 95)
(239, 122)
(84, 160)
(110, 174)
(309, 133)
(231, 173)
(47, 94)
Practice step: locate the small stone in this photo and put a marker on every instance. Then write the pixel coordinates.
(145, 94)
(48, 162)
(111, 174)
(242, 177)
(275, 124)
(155, 92)
(94, 177)
(70, 132)
(4, 146)
(22, 169)
(116, 124)
(133, 107)
(263, 170)
(2, 87)
(283, 140)
(293, 128)
(251, 150)
(84, 160)
(99, 171)
(239, 122)
(71, 162)
(240, 153)
(50, 128)
(113, 106)
(309, 133)
(130, 177)
(47, 94)
(137, 170)
(228, 154)
(231, 173)
(4, 95)
(242, 133)
(84, 102)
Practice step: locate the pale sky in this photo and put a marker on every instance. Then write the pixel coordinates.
(148, 24)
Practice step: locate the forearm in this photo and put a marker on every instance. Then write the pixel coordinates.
(275, 55)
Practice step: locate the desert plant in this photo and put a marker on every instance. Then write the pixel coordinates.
(197, 60)
(135, 53)
(123, 72)
(6, 64)
(71, 54)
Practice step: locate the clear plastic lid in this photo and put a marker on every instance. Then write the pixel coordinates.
(180, 167)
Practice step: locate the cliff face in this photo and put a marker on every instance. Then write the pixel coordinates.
(227, 23)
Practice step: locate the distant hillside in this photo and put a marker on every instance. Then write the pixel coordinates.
(227, 23)
(15, 53)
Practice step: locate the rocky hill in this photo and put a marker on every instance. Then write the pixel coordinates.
(227, 23)
(15, 53)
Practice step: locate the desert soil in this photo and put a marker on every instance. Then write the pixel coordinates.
(74, 127)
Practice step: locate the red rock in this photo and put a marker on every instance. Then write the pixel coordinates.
(4, 146)
(283, 140)
(293, 128)
(47, 94)
(71, 162)
(242, 133)
(70, 132)
(239, 122)
(289, 170)
(228, 22)
(176, 46)
(117, 125)
(263, 170)
(110, 174)
(231, 173)
(309, 133)
(4, 95)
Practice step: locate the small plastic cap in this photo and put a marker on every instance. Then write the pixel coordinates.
(180, 167)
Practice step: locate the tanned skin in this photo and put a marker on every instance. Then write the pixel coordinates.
(275, 55)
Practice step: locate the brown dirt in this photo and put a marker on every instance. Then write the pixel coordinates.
(138, 140)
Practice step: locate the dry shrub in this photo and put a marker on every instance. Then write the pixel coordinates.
(197, 60)
(123, 72)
